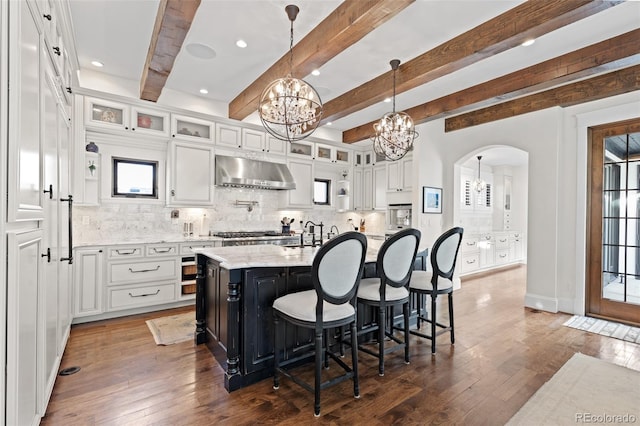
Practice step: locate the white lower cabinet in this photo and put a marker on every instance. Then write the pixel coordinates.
(482, 252)
(112, 281)
(136, 296)
(88, 278)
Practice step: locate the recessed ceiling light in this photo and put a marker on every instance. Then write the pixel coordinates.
(329, 123)
(201, 51)
(204, 91)
(97, 64)
(529, 42)
(315, 72)
(241, 44)
(387, 100)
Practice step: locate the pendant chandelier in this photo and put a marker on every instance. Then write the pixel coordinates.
(395, 131)
(290, 109)
(478, 184)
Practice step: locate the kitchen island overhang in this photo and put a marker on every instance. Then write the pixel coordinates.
(235, 289)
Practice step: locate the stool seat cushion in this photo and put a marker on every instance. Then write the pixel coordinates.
(369, 289)
(302, 306)
(421, 280)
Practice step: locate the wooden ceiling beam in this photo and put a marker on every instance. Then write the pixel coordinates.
(172, 24)
(346, 25)
(531, 19)
(615, 53)
(611, 84)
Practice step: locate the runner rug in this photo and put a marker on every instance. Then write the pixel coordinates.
(605, 328)
(173, 329)
(584, 390)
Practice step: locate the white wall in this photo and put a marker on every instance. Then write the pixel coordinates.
(555, 140)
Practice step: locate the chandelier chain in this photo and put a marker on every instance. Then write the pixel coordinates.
(291, 51)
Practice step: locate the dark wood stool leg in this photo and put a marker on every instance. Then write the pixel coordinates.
(318, 375)
(405, 309)
(381, 336)
(433, 323)
(276, 351)
(453, 338)
(354, 362)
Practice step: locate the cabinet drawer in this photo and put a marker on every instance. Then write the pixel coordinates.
(469, 263)
(502, 256)
(188, 248)
(141, 296)
(125, 252)
(161, 250)
(502, 242)
(135, 272)
(469, 245)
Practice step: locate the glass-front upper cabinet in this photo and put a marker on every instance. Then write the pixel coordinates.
(301, 149)
(343, 156)
(150, 121)
(190, 128)
(106, 114)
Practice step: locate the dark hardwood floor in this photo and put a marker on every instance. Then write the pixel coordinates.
(503, 354)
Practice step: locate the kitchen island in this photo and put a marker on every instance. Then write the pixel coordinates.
(236, 287)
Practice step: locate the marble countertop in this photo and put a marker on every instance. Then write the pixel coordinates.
(264, 256)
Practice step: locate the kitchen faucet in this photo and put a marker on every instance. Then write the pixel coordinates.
(331, 230)
(312, 231)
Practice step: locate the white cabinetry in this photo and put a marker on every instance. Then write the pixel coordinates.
(483, 252)
(302, 196)
(357, 191)
(257, 140)
(88, 277)
(192, 129)
(379, 187)
(400, 174)
(25, 334)
(367, 188)
(190, 174)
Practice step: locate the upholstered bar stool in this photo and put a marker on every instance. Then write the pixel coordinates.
(391, 288)
(436, 282)
(336, 271)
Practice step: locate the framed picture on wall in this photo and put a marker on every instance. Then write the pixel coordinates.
(431, 200)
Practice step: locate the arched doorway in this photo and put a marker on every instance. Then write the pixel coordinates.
(495, 217)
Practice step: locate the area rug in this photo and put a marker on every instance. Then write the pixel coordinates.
(584, 390)
(173, 329)
(605, 328)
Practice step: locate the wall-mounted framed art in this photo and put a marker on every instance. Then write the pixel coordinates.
(431, 200)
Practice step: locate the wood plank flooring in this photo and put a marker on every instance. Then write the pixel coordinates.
(503, 354)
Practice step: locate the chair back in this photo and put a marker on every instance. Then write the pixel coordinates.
(337, 268)
(444, 254)
(396, 258)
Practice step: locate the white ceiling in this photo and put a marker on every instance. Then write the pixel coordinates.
(117, 32)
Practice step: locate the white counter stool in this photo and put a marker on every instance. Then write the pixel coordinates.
(443, 263)
(335, 273)
(393, 266)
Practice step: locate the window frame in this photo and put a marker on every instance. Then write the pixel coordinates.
(327, 183)
(114, 173)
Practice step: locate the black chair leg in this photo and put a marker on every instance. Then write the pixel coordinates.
(354, 362)
(433, 324)
(381, 337)
(405, 314)
(276, 352)
(318, 375)
(453, 338)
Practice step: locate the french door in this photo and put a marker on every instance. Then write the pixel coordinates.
(613, 234)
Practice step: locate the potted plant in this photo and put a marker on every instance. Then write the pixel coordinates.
(92, 167)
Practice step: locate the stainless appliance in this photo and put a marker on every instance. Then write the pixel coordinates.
(398, 216)
(244, 172)
(250, 238)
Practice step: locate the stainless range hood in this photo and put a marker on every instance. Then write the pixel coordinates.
(235, 171)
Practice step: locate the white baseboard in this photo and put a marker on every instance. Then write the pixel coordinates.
(541, 303)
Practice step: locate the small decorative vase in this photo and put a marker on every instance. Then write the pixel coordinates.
(91, 147)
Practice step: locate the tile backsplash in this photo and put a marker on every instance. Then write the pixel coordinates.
(111, 223)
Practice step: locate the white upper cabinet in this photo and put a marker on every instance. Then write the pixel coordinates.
(400, 174)
(150, 121)
(302, 149)
(257, 140)
(106, 114)
(228, 135)
(189, 128)
(190, 174)
(302, 196)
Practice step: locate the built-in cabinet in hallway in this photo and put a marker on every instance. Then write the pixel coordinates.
(38, 301)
